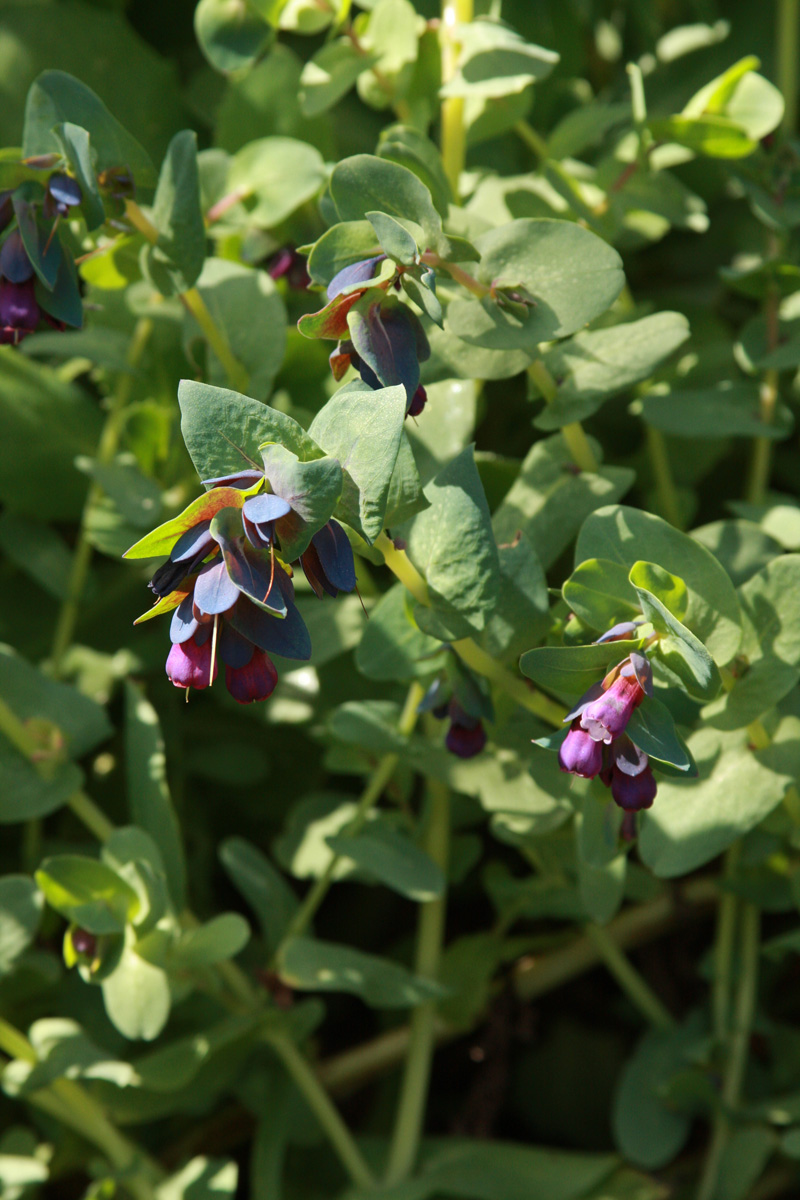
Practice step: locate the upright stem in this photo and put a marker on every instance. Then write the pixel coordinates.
(738, 1042)
(662, 474)
(106, 449)
(324, 1110)
(372, 793)
(786, 46)
(724, 941)
(628, 978)
(454, 136)
(416, 1075)
(577, 442)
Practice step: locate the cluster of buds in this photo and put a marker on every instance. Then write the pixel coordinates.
(597, 745)
(460, 698)
(26, 295)
(230, 592)
(376, 334)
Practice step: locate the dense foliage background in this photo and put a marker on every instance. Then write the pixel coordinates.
(329, 944)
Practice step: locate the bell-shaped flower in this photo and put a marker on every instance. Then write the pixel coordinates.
(255, 680)
(607, 717)
(389, 343)
(580, 754)
(466, 736)
(190, 663)
(328, 562)
(630, 776)
(19, 311)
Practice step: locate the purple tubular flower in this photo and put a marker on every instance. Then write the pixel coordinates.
(15, 266)
(623, 630)
(580, 754)
(359, 272)
(633, 792)
(254, 681)
(328, 562)
(189, 663)
(607, 716)
(19, 311)
(466, 736)
(418, 402)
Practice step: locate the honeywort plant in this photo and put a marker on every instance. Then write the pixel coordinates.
(506, 589)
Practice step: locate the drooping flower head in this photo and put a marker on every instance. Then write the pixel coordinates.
(461, 698)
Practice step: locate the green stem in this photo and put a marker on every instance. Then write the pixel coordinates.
(238, 376)
(761, 463)
(533, 140)
(454, 136)
(724, 941)
(787, 50)
(573, 434)
(324, 1110)
(662, 474)
(87, 811)
(469, 651)
(738, 1042)
(416, 1075)
(369, 797)
(628, 978)
(106, 449)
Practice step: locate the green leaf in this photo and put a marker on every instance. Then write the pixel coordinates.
(573, 669)
(522, 608)
(392, 646)
(652, 729)
(329, 74)
(223, 430)
(362, 428)
(549, 500)
(174, 263)
(679, 650)
(25, 793)
(714, 136)
(486, 1170)
(231, 34)
(77, 150)
(219, 939)
(394, 238)
(248, 311)
(276, 175)
(136, 995)
(343, 244)
(393, 859)
(149, 798)
(410, 148)
(647, 1130)
(668, 589)
(452, 544)
(20, 914)
(57, 98)
(600, 594)
(495, 61)
(201, 1179)
(731, 409)
(585, 126)
(593, 366)
(620, 533)
(87, 892)
(263, 887)
(311, 488)
(406, 497)
(135, 497)
(37, 550)
(736, 789)
(570, 274)
(311, 965)
(33, 695)
(758, 686)
(363, 184)
(743, 96)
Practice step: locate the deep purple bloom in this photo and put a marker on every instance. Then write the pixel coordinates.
(465, 741)
(328, 562)
(607, 716)
(254, 681)
(359, 272)
(189, 663)
(84, 942)
(19, 311)
(418, 402)
(287, 264)
(633, 792)
(580, 754)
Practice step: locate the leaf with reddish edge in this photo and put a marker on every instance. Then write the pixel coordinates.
(289, 638)
(161, 540)
(250, 570)
(330, 321)
(167, 603)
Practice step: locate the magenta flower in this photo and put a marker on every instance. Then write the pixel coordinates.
(633, 792)
(580, 753)
(607, 716)
(189, 663)
(256, 680)
(465, 741)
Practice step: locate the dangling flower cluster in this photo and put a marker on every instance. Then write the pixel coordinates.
(597, 743)
(461, 698)
(230, 593)
(37, 275)
(376, 334)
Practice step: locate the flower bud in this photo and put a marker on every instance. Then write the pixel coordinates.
(580, 753)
